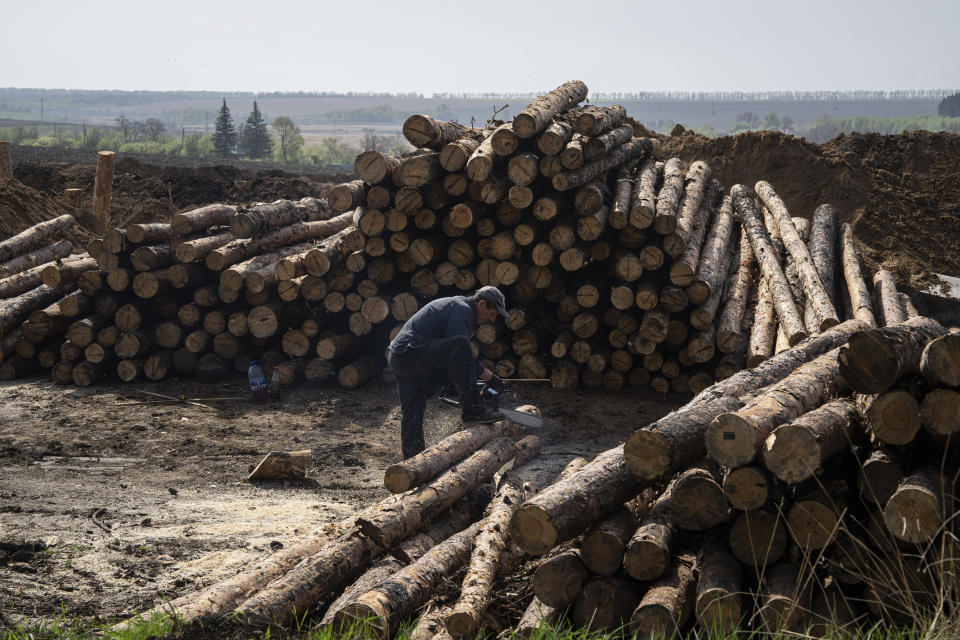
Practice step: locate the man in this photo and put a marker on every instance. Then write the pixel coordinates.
(432, 348)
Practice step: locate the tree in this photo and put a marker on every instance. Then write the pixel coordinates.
(155, 128)
(224, 133)
(291, 140)
(949, 107)
(749, 118)
(786, 122)
(372, 141)
(771, 122)
(256, 138)
(126, 127)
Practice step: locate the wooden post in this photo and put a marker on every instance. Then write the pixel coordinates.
(102, 187)
(6, 161)
(72, 197)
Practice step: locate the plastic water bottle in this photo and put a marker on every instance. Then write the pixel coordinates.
(275, 385)
(258, 383)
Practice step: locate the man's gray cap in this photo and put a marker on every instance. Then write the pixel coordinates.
(495, 297)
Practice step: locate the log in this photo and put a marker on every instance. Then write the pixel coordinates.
(103, 187)
(605, 543)
(823, 240)
(558, 579)
(940, 412)
(796, 450)
(66, 271)
(150, 257)
(536, 616)
(813, 288)
(504, 141)
(491, 552)
(572, 155)
(688, 211)
(779, 366)
(856, 287)
(668, 198)
(158, 365)
(592, 120)
(880, 474)
(892, 416)
(758, 537)
(730, 331)
(340, 561)
(598, 146)
(668, 604)
(193, 250)
(535, 117)
(718, 604)
(133, 343)
(888, 299)
(651, 546)
(734, 439)
(765, 254)
(697, 498)
(373, 167)
(915, 511)
(703, 316)
(568, 507)
(35, 258)
(814, 517)
(876, 359)
(15, 310)
(423, 132)
(361, 370)
(643, 201)
(620, 208)
(150, 233)
(765, 329)
(674, 441)
(605, 603)
(786, 603)
(684, 268)
(710, 273)
(479, 166)
(635, 148)
(31, 237)
(203, 218)
(262, 218)
(458, 518)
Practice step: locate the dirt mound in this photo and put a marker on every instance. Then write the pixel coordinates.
(149, 193)
(901, 192)
(22, 207)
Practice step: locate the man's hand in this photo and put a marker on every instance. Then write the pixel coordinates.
(496, 383)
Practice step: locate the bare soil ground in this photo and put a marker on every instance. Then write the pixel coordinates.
(110, 501)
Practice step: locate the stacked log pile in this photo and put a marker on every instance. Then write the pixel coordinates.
(621, 270)
(815, 487)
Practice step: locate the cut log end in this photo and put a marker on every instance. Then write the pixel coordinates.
(731, 440)
(532, 530)
(792, 453)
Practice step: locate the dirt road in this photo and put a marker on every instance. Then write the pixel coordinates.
(109, 500)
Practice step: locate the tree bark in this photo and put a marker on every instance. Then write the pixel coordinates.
(635, 148)
(537, 615)
(734, 439)
(704, 315)
(856, 287)
(535, 117)
(193, 250)
(795, 451)
(668, 604)
(786, 603)
(66, 271)
(688, 211)
(880, 474)
(826, 314)
(887, 297)
(773, 274)
(454, 156)
(876, 359)
(730, 327)
(479, 166)
(150, 233)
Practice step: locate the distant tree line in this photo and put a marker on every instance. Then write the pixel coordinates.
(949, 107)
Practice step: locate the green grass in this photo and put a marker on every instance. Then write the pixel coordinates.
(67, 627)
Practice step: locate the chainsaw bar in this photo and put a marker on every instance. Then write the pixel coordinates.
(528, 419)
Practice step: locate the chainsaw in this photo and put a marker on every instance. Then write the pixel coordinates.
(503, 403)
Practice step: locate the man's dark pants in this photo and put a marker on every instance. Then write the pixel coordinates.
(421, 372)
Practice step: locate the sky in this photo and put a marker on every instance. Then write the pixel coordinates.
(428, 46)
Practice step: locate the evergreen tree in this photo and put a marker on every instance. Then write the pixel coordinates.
(949, 107)
(224, 135)
(256, 138)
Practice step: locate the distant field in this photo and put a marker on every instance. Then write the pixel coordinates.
(311, 112)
